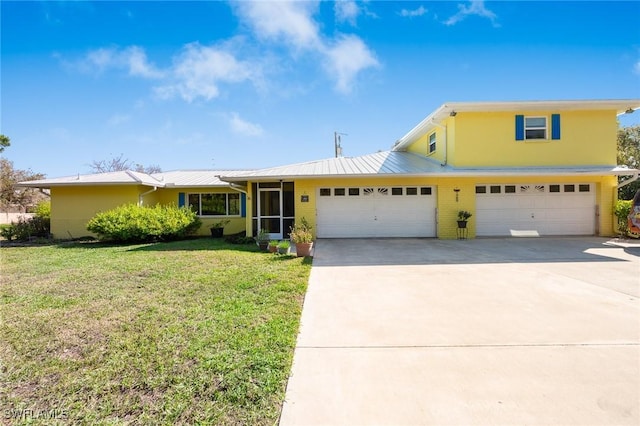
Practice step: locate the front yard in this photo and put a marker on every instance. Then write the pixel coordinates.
(186, 332)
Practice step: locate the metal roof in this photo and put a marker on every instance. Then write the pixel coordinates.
(620, 106)
(178, 178)
(399, 163)
(195, 178)
(124, 177)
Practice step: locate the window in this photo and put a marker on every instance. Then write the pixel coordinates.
(396, 191)
(569, 188)
(583, 188)
(509, 189)
(495, 189)
(481, 189)
(554, 188)
(339, 192)
(412, 191)
(325, 192)
(354, 191)
(535, 128)
(425, 191)
(215, 204)
(432, 142)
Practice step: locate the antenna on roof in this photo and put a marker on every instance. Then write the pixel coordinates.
(337, 143)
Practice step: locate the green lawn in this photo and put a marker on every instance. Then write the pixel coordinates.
(191, 332)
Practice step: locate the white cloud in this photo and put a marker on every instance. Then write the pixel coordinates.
(476, 7)
(118, 119)
(346, 11)
(290, 21)
(243, 127)
(348, 57)
(636, 68)
(407, 13)
(199, 70)
(133, 59)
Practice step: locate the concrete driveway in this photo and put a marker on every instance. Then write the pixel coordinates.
(486, 331)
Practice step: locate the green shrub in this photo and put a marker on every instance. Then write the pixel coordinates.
(25, 229)
(43, 210)
(132, 223)
(622, 209)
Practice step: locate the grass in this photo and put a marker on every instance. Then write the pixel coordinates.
(191, 332)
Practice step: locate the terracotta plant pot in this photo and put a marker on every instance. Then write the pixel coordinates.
(273, 249)
(303, 249)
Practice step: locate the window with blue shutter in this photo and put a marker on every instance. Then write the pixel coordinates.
(243, 205)
(555, 126)
(181, 199)
(519, 127)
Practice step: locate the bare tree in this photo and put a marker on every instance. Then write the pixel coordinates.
(12, 196)
(120, 163)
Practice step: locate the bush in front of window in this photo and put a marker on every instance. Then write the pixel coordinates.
(133, 223)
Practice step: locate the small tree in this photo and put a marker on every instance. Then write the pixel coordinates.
(4, 142)
(629, 155)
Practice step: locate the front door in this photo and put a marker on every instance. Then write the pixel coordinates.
(269, 211)
(273, 208)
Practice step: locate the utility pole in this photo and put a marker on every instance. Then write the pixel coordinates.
(336, 143)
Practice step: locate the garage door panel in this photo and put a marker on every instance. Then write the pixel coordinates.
(536, 210)
(376, 213)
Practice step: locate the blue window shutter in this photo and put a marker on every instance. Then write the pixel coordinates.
(181, 199)
(555, 126)
(519, 127)
(243, 205)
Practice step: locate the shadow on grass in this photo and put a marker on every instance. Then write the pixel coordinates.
(188, 244)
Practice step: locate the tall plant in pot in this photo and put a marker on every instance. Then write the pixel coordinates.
(262, 239)
(463, 217)
(302, 237)
(217, 228)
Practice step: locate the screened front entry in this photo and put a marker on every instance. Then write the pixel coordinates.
(273, 208)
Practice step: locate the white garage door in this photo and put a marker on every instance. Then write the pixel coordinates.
(537, 209)
(352, 212)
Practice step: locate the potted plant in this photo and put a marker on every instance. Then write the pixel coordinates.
(463, 217)
(262, 239)
(217, 228)
(284, 247)
(273, 246)
(302, 237)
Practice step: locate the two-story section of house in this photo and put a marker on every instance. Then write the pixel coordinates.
(531, 168)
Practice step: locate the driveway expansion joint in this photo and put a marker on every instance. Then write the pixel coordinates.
(523, 345)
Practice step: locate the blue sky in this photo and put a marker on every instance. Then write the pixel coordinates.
(219, 85)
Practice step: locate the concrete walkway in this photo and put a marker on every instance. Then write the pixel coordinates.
(486, 331)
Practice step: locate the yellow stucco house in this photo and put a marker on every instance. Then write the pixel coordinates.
(521, 168)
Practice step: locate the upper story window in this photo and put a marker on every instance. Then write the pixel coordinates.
(532, 128)
(432, 142)
(215, 204)
(535, 128)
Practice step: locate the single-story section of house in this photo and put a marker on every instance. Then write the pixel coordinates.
(520, 168)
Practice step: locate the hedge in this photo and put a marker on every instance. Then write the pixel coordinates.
(133, 223)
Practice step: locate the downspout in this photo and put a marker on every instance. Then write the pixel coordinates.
(155, 188)
(445, 140)
(237, 187)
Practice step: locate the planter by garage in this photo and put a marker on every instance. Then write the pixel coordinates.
(303, 249)
(217, 232)
(462, 224)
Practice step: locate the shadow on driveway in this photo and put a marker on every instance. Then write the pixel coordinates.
(426, 251)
